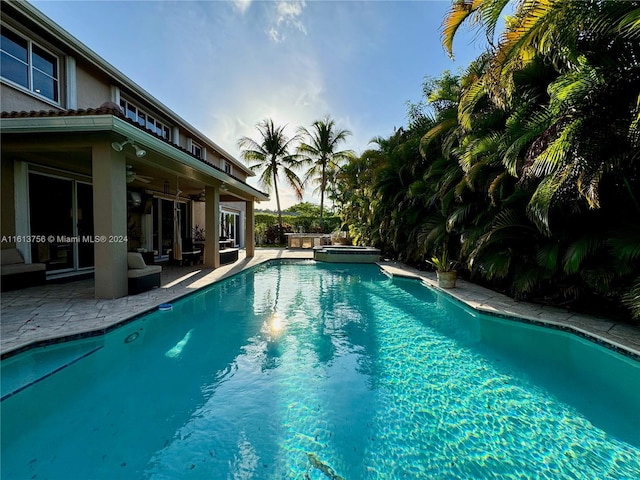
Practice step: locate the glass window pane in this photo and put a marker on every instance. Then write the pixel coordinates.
(14, 45)
(14, 70)
(131, 112)
(142, 118)
(45, 85)
(44, 62)
(165, 132)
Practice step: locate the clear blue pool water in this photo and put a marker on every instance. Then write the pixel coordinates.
(321, 371)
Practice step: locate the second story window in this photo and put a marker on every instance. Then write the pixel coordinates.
(28, 65)
(145, 120)
(226, 166)
(196, 150)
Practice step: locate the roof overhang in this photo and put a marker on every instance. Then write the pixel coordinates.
(113, 124)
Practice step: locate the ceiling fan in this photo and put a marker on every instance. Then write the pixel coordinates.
(198, 197)
(132, 175)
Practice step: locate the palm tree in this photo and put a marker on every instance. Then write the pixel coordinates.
(320, 151)
(271, 155)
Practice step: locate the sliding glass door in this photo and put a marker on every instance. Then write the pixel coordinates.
(61, 214)
(228, 226)
(163, 218)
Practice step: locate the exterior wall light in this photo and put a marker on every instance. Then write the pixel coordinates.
(118, 146)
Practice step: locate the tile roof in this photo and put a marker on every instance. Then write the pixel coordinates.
(107, 108)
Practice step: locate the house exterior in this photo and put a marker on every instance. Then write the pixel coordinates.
(93, 166)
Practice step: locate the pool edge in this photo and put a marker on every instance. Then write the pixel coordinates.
(484, 301)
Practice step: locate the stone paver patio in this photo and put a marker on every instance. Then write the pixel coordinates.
(40, 314)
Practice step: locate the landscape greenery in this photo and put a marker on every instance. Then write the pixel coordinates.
(303, 217)
(524, 167)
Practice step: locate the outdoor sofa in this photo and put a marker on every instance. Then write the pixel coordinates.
(17, 274)
(142, 277)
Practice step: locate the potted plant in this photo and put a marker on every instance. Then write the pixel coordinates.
(445, 270)
(134, 234)
(198, 233)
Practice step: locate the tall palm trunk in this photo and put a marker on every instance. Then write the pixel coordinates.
(275, 187)
(323, 186)
(272, 156)
(320, 152)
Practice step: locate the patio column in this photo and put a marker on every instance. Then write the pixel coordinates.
(211, 227)
(110, 221)
(249, 230)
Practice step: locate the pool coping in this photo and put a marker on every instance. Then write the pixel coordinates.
(620, 338)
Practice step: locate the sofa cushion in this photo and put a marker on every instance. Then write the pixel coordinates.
(143, 272)
(14, 268)
(11, 256)
(135, 261)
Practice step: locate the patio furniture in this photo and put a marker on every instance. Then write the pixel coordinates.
(228, 255)
(190, 253)
(148, 256)
(17, 274)
(307, 240)
(142, 277)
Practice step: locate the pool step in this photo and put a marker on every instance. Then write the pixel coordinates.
(19, 373)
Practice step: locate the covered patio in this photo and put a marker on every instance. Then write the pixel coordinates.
(91, 185)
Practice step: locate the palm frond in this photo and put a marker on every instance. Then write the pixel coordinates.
(547, 256)
(625, 243)
(460, 11)
(630, 24)
(555, 156)
(441, 128)
(469, 99)
(523, 127)
(541, 201)
(572, 88)
(632, 299)
(585, 245)
(492, 264)
(459, 215)
(525, 279)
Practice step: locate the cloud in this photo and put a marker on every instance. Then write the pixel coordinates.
(242, 5)
(287, 15)
(289, 11)
(275, 35)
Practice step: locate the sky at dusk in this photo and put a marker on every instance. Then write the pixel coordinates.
(225, 65)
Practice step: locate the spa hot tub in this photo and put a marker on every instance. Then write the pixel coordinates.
(346, 254)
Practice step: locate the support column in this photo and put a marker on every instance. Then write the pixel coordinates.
(249, 231)
(110, 221)
(212, 227)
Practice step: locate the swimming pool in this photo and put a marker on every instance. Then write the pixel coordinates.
(318, 371)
